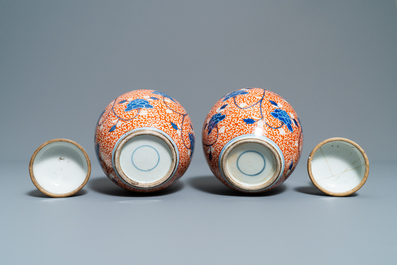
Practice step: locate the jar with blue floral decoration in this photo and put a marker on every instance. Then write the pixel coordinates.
(252, 140)
(144, 140)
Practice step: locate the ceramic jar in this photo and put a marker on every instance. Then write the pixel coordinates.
(252, 140)
(144, 140)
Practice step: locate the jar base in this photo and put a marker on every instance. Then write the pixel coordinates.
(145, 158)
(251, 163)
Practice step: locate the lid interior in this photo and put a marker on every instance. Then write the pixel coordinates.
(60, 168)
(338, 167)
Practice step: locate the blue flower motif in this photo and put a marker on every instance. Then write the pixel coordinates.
(138, 104)
(283, 116)
(235, 93)
(214, 121)
(191, 139)
(163, 94)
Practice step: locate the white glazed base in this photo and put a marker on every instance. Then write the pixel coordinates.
(251, 164)
(145, 158)
(59, 168)
(338, 167)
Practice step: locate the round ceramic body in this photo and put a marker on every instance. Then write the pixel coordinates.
(338, 166)
(144, 140)
(59, 168)
(252, 140)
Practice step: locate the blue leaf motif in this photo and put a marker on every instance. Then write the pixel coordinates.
(290, 166)
(123, 101)
(274, 103)
(210, 156)
(138, 103)
(215, 119)
(163, 94)
(289, 126)
(192, 141)
(235, 93)
(113, 128)
(224, 106)
(174, 126)
(154, 98)
(282, 116)
(296, 123)
(249, 121)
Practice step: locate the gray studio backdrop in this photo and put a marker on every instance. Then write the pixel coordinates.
(62, 62)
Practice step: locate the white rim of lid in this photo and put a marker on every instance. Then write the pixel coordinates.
(338, 194)
(267, 143)
(47, 192)
(144, 131)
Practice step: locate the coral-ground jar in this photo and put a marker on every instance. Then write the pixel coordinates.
(144, 140)
(252, 140)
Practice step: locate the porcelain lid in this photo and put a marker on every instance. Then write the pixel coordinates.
(338, 166)
(59, 168)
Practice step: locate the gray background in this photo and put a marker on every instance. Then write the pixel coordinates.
(62, 62)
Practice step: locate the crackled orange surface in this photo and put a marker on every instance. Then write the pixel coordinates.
(140, 109)
(249, 111)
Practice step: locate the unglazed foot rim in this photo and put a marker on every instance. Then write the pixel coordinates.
(118, 165)
(39, 180)
(258, 168)
(348, 183)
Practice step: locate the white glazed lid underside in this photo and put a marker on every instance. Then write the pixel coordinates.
(145, 159)
(60, 168)
(338, 167)
(252, 164)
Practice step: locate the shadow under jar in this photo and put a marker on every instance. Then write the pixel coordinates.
(252, 140)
